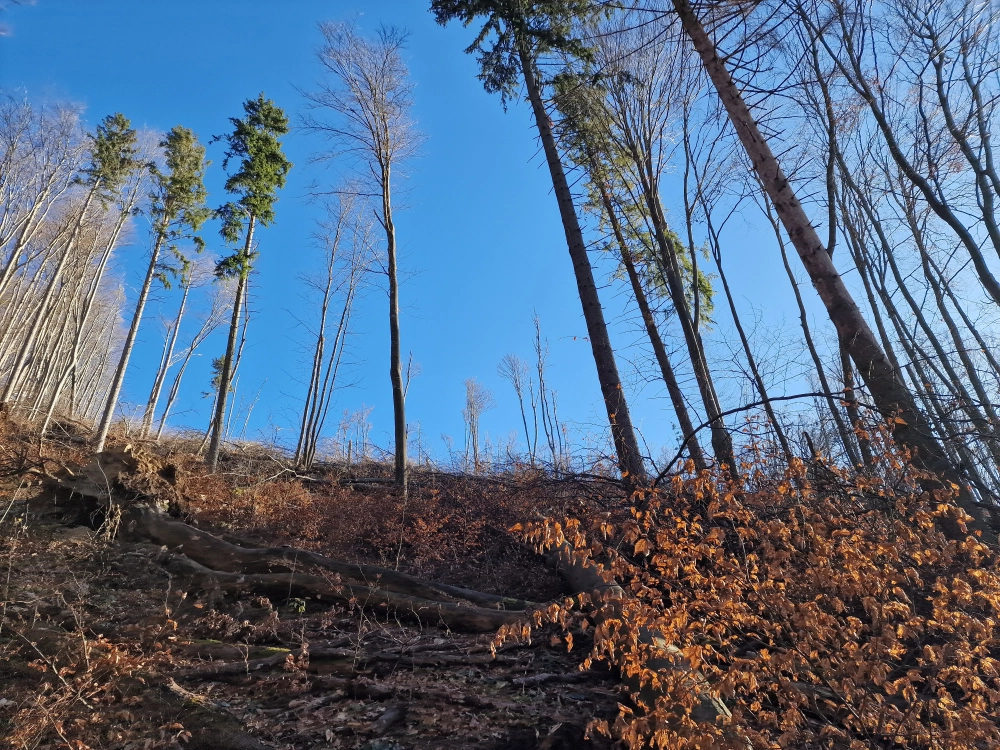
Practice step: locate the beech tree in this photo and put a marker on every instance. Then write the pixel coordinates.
(263, 170)
(112, 157)
(478, 399)
(893, 399)
(220, 304)
(370, 96)
(177, 208)
(346, 239)
(123, 206)
(614, 130)
(40, 154)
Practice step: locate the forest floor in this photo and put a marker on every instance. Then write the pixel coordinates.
(102, 646)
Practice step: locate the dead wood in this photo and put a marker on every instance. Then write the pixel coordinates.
(147, 487)
(353, 688)
(212, 727)
(282, 586)
(281, 573)
(217, 554)
(231, 669)
(393, 715)
(566, 677)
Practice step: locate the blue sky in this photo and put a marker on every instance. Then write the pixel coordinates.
(481, 243)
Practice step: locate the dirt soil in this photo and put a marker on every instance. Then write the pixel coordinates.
(101, 647)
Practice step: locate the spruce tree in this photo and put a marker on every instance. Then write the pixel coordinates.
(177, 209)
(263, 168)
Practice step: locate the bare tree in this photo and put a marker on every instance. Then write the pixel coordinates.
(220, 304)
(369, 95)
(478, 399)
(514, 370)
(111, 161)
(347, 246)
(910, 427)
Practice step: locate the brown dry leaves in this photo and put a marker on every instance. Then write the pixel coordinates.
(826, 614)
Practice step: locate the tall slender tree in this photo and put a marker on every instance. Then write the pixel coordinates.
(263, 169)
(112, 158)
(508, 45)
(893, 399)
(370, 95)
(177, 208)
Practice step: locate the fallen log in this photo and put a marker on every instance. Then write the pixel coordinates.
(355, 688)
(217, 670)
(211, 726)
(217, 554)
(395, 714)
(567, 677)
(307, 586)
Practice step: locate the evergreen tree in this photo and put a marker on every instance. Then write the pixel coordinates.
(508, 45)
(263, 169)
(177, 208)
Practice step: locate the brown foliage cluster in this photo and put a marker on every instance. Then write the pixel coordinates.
(825, 611)
(447, 527)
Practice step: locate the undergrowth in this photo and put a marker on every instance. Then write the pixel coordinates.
(826, 610)
(822, 608)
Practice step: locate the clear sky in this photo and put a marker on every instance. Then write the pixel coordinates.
(481, 243)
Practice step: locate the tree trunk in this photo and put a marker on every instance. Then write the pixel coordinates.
(659, 350)
(851, 405)
(395, 357)
(669, 251)
(845, 437)
(172, 395)
(910, 427)
(161, 372)
(983, 347)
(630, 461)
(956, 336)
(328, 384)
(17, 368)
(119, 376)
(227, 363)
(951, 375)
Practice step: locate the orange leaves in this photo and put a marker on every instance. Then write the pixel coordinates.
(820, 618)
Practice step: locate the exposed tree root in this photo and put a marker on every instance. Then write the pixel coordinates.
(211, 727)
(298, 584)
(145, 488)
(217, 554)
(135, 484)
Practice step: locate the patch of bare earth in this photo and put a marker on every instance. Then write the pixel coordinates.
(105, 644)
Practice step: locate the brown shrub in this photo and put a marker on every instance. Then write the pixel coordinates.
(827, 612)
